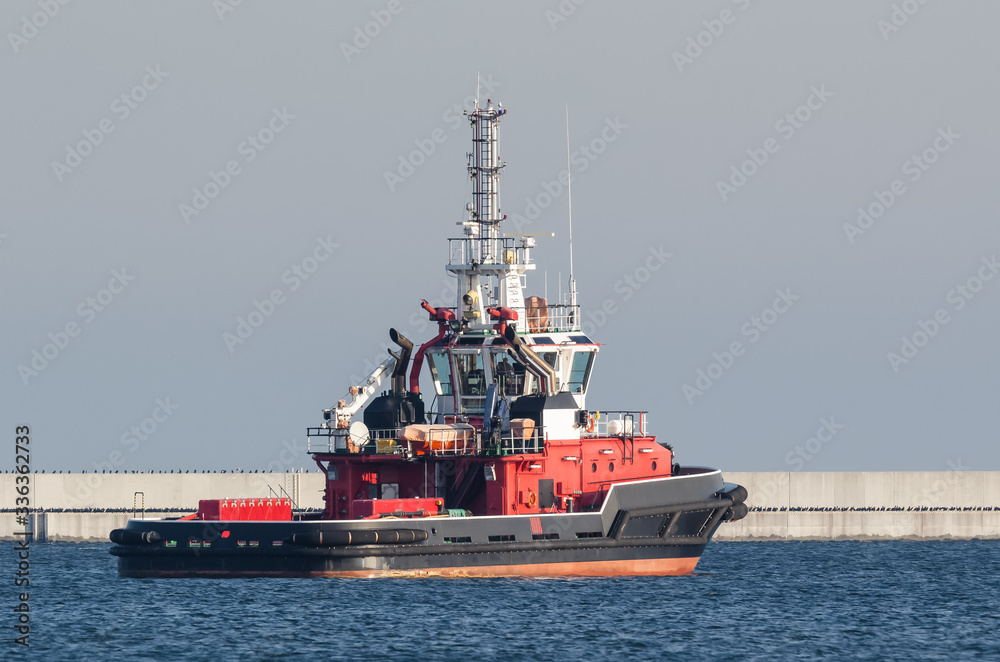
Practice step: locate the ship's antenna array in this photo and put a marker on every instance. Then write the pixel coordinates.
(569, 195)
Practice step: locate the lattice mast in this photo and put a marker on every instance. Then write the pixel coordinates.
(484, 170)
(488, 265)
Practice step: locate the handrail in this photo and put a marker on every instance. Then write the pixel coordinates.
(519, 444)
(135, 497)
(488, 251)
(386, 442)
(622, 424)
(282, 488)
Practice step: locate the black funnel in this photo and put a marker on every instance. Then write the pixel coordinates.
(402, 361)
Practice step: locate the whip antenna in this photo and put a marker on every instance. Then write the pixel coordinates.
(569, 195)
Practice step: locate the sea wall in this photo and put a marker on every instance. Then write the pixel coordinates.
(161, 490)
(85, 507)
(883, 505)
(783, 505)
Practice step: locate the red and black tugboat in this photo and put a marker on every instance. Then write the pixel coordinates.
(505, 472)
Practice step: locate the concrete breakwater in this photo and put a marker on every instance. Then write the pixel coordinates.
(909, 505)
(876, 505)
(85, 507)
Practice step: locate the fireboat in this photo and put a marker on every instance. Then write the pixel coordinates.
(507, 472)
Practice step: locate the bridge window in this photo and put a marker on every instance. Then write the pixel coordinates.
(508, 372)
(471, 381)
(441, 372)
(471, 378)
(579, 374)
(551, 358)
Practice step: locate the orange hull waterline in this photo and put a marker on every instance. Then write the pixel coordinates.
(641, 568)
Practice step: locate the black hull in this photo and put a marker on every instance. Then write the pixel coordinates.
(606, 558)
(631, 535)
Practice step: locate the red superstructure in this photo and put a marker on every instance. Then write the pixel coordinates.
(569, 475)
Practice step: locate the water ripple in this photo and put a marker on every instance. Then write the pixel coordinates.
(756, 601)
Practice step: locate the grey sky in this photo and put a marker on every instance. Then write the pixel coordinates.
(343, 115)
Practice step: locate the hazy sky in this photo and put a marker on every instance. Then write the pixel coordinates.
(168, 164)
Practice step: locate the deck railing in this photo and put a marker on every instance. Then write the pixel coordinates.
(440, 441)
(502, 250)
(627, 424)
(516, 444)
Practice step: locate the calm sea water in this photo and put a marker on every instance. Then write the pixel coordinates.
(836, 600)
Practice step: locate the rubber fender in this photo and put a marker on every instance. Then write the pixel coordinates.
(321, 538)
(411, 535)
(738, 494)
(130, 537)
(736, 512)
(361, 537)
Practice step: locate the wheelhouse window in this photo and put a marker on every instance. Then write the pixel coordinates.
(579, 373)
(471, 381)
(508, 372)
(552, 358)
(440, 372)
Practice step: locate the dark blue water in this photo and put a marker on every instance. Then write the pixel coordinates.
(836, 600)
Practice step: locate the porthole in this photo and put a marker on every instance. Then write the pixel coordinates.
(654, 465)
(611, 466)
(593, 467)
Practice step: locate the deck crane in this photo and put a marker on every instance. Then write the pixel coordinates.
(340, 416)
